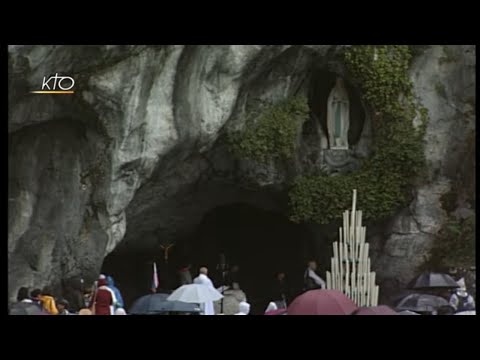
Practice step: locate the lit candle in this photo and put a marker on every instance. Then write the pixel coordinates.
(354, 203)
(368, 288)
(346, 251)
(354, 286)
(362, 289)
(340, 264)
(361, 264)
(345, 224)
(333, 285)
(373, 288)
(347, 271)
(367, 249)
(357, 243)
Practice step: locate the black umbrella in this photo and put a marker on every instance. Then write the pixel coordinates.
(158, 303)
(421, 303)
(24, 308)
(429, 280)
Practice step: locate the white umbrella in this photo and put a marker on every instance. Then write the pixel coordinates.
(195, 293)
(470, 312)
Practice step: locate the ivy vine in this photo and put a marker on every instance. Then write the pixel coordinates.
(385, 179)
(272, 133)
(454, 245)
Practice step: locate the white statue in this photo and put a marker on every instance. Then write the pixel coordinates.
(338, 116)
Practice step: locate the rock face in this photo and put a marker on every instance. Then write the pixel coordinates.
(140, 148)
(444, 84)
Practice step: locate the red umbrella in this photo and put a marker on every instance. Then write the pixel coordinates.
(375, 310)
(322, 302)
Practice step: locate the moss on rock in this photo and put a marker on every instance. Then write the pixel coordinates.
(384, 182)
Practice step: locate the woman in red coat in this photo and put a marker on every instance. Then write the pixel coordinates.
(103, 299)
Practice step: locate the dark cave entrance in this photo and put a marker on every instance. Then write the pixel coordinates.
(260, 242)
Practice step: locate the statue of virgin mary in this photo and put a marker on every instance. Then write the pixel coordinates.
(338, 116)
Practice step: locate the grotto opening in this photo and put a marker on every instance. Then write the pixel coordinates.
(260, 242)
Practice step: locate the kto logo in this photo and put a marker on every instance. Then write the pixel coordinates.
(56, 85)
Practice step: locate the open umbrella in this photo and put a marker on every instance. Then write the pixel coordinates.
(421, 303)
(27, 309)
(429, 280)
(195, 293)
(407, 312)
(375, 310)
(321, 302)
(158, 303)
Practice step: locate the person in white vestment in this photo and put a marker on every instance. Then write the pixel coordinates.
(203, 279)
(244, 308)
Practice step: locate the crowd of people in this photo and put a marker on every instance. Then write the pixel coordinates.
(103, 298)
(459, 300)
(280, 292)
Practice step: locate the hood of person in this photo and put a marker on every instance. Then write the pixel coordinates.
(462, 288)
(271, 306)
(244, 308)
(102, 282)
(110, 281)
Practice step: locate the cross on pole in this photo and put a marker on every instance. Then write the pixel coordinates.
(165, 249)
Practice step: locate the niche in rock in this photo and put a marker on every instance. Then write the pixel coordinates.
(324, 86)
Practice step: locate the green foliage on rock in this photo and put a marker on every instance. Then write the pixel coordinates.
(454, 245)
(449, 55)
(397, 158)
(271, 134)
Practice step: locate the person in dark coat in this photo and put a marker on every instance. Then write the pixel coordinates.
(311, 278)
(74, 294)
(62, 306)
(280, 290)
(35, 297)
(23, 296)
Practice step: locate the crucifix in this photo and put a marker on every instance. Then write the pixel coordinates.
(165, 249)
